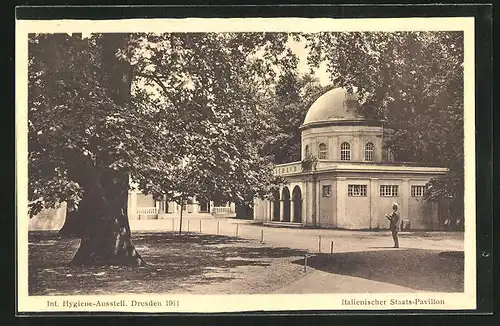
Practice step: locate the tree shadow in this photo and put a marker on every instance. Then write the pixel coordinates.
(176, 263)
(419, 269)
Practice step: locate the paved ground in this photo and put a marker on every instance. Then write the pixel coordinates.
(216, 262)
(309, 239)
(362, 261)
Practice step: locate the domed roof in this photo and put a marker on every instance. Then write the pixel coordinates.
(335, 105)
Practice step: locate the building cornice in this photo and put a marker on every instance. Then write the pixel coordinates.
(363, 167)
(342, 122)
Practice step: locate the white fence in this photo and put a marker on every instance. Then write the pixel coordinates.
(222, 210)
(147, 211)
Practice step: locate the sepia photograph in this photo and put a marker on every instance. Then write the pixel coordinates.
(217, 165)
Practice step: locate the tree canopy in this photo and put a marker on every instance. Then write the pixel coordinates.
(196, 123)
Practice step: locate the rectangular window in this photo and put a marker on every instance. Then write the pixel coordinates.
(417, 191)
(356, 190)
(388, 191)
(327, 190)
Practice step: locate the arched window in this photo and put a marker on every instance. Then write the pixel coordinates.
(389, 155)
(345, 152)
(307, 153)
(369, 148)
(322, 151)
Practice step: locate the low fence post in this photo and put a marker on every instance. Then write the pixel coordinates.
(218, 227)
(331, 248)
(305, 262)
(189, 222)
(237, 229)
(173, 222)
(200, 225)
(319, 243)
(261, 235)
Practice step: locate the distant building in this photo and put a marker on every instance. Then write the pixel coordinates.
(354, 181)
(144, 207)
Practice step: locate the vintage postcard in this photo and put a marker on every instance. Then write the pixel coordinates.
(235, 165)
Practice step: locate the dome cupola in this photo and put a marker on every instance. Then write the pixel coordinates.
(335, 106)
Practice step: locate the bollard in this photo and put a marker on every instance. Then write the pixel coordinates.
(188, 225)
(305, 262)
(173, 221)
(237, 229)
(200, 225)
(331, 248)
(261, 235)
(319, 243)
(218, 227)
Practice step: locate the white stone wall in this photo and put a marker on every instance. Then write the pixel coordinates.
(364, 212)
(334, 136)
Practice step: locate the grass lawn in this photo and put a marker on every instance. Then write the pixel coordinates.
(191, 263)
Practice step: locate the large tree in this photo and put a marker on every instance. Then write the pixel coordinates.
(412, 80)
(176, 114)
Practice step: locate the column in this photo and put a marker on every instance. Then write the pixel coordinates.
(405, 196)
(282, 208)
(196, 205)
(316, 210)
(292, 211)
(373, 193)
(308, 208)
(355, 148)
(341, 196)
(335, 150)
(271, 211)
(132, 205)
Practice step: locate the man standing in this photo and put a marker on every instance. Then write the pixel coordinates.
(394, 219)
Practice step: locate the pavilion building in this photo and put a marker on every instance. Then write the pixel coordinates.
(354, 180)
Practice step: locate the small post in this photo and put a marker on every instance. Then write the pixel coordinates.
(261, 235)
(218, 227)
(331, 248)
(200, 225)
(305, 262)
(173, 222)
(319, 243)
(188, 225)
(237, 229)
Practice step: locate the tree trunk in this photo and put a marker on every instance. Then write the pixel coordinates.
(105, 236)
(72, 225)
(180, 218)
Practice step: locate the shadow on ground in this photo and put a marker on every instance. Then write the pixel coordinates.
(424, 270)
(176, 264)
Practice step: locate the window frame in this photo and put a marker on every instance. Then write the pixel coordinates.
(389, 190)
(369, 152)
(345, 151)
(322, 153)
(326, 193)
(415, 193)
(362, 190)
